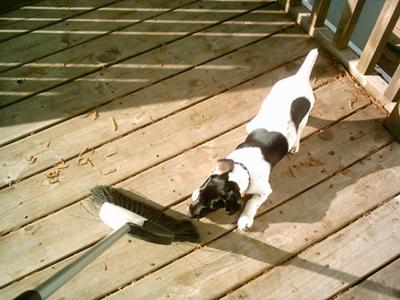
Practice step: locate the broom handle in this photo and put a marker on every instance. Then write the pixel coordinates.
(48, 287)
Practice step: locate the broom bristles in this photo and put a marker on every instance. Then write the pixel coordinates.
(183, 230)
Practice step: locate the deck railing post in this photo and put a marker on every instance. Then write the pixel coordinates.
(319, 12)
(393, 122)
(348, 21)
(287, 4)
(392, 92)
(379, 36)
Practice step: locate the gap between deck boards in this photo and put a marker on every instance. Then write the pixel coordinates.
(188, 250)
(129, 120)
(206, 268)
(353, 252)
(30, 46)
(297, 186)
(378, 286)
(44, 191)
(16, 14)
(56, 110)
(97, 54)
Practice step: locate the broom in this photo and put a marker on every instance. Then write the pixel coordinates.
(124, 214)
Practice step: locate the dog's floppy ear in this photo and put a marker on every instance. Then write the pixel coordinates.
(223, 166)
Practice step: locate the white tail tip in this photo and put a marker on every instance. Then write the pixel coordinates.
(308, 64)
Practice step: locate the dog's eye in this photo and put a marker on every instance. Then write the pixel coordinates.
(215, 204)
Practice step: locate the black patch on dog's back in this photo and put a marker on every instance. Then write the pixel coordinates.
(299, 109)
(273, 145)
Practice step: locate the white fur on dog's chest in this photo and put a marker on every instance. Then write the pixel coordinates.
(257, 168)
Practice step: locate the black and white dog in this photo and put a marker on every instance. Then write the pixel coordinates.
(274, 131)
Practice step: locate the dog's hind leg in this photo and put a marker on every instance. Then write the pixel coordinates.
(246, 218)
(302, 125)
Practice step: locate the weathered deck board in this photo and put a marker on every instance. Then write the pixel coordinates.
(146, 184)
(42, 111)
(85, 27)
(382, 285)
(159, 128)
(169, 131)
(100, 131)
(43, 13)
(283, 183)
(93, 55)
(277, 236)
(335, 263)
(134, 114)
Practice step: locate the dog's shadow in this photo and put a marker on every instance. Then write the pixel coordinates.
(309, 208)
(303, 207)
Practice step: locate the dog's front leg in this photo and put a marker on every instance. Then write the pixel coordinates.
(246, 218)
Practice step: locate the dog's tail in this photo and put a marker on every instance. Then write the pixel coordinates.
(308, 64)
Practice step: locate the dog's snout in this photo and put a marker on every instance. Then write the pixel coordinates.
(196, 210)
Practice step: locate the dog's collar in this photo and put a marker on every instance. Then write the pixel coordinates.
(248, 174)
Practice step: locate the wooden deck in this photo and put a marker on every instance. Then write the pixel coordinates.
(145, 96)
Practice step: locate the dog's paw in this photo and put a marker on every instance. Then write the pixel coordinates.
(295, 149)
(244, 223)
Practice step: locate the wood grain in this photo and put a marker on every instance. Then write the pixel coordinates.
(29, 15)
(277, 236)
(284, 185)
(392, 92)
(383, 284)
(335, 263)
(152, 149)
(108, 49)
(144, 107)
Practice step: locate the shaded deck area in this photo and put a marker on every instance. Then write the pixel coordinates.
(145, 96)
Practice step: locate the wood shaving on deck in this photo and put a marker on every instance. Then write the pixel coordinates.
(109, 171)
(85, 161)
(31, 159)
(86, 115)
(115, 125)
(62, 165)
(81, 161)
(84, 150)
(89, 161)
(158, 59)
(53, 174)
(47, 144)
(110, 154)
(54, 180)
(95, 115)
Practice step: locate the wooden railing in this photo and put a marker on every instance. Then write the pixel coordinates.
(361, 67)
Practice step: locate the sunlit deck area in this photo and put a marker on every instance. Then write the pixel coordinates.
(145, 96)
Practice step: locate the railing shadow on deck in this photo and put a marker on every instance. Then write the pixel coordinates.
(275, 256)
(153, 59)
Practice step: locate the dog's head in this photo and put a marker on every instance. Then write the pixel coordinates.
(216, 192)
